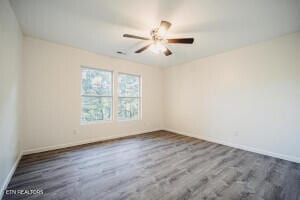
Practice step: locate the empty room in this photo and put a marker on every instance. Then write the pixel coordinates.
(150, 100)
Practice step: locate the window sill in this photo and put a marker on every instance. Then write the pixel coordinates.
(128, 120)
(96, 122)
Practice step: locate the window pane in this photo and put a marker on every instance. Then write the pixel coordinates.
(96, 82)
(96, 108)
(128, 85)
(128, 108)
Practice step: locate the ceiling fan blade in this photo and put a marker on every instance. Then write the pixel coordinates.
(135, 37)
(181, 40)
(142, 49)
(167, 52)
(165, 24)
(163, 28)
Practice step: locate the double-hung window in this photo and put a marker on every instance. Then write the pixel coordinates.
(96, 95)
(129, 98)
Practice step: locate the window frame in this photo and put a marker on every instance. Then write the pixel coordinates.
(84, 95)
(139, 97)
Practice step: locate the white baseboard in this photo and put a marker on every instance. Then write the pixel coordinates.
(10, 174)
(238, 146)
(210, 139)
(60, 146)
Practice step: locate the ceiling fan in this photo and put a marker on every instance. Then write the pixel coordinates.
(158, 40)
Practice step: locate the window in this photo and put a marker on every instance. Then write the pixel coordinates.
(128, 96)
(96, 95)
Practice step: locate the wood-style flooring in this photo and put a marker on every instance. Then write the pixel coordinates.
(157, 165)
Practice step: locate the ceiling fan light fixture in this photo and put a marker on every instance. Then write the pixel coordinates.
(162, 32)
(157, 48)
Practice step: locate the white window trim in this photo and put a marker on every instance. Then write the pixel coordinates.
(139, 97)
(84, 95)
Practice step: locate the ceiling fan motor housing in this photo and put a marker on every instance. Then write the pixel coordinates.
(155, 36)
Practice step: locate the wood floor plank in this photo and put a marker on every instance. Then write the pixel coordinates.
(156, 165)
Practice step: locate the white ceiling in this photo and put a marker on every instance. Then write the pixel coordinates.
(216, 25)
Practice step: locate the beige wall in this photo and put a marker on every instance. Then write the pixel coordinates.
(52, 97)
(10, 68)
(247, 98)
